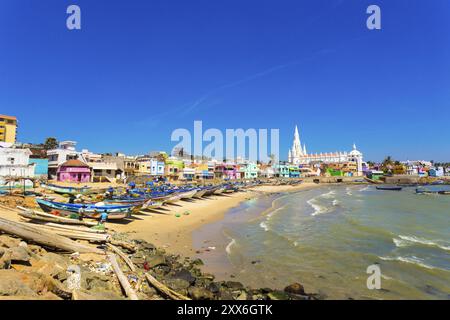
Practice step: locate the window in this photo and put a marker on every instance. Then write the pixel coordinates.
(11, 160)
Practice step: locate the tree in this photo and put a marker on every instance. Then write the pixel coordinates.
(50, 143)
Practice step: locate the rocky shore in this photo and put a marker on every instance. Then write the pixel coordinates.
(31, 271)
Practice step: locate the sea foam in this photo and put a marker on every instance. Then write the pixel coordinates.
(405, 241)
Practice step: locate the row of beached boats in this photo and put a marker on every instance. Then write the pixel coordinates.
(120, 205)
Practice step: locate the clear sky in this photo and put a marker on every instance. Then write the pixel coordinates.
(139, 69)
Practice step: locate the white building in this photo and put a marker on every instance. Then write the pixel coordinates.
(298, 156)
(15, 163)
(65, 151)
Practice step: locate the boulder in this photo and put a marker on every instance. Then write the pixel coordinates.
(233, 285)
(177, 284)
(12, 284)
(278, 295)
(19, 254)
(156, 261)
(198, 293)
(185, 275)
(295, 288)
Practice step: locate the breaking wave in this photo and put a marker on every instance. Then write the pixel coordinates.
(230, 245)
(405, 241)
(318, 208)
(412, 260)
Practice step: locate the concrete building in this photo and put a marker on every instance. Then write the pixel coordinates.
(66, 151)
(8, 129)
(14, 163)
(74, 171)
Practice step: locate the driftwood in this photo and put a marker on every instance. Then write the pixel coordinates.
(44, 237)
(123, 256)
(73, 228)
(164, 289)
(77, 235)
(43, 216)
(122, 278)
(123, 245)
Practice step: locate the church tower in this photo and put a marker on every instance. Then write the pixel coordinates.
(297, 151)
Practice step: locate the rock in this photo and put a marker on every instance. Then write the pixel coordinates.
(213, 287)
(185, 275)
(233, 285)
(242, 296)
(12, 284)
(19, 254)
(295, 288)
(278, 295)
(138, 260)
(156, 261)
(225, 294)
(177, 284)
(197, 262)
(198, 293)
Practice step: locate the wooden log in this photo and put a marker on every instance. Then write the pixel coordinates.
(119, 252)
(164, 289)
(77, 235)
(123, 245)
(44, 237)
(44, 216)
(122, 278)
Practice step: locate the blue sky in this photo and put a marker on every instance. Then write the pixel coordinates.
(139, 69)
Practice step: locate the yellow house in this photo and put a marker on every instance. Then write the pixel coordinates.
(8, 129)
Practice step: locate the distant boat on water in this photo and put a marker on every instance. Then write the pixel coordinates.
(389, 188)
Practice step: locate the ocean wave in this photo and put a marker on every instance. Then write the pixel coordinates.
(264, 226)
(335, 202)
(405, 241)
(318, 209)
(328, 195)
(412, 260)
(364, 189)
(348, 191)
(230, 245)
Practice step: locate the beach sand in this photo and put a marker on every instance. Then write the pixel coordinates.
(162, 228)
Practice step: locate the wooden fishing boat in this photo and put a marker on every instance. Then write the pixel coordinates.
(188, 194)
(200, 193)
(93, 211)
(210, 190)
(67, 190)
(219, 190)
(389, 188)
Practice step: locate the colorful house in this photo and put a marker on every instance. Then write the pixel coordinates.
(74, 171)
(248, 170)
(294, 172)
(41, 167)
(173, 168)
(281, 170)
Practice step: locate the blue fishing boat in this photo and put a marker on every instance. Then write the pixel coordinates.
(93, 211)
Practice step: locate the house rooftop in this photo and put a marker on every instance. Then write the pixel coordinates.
(74, 163)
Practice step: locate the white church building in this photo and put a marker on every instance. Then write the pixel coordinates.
(299, 156)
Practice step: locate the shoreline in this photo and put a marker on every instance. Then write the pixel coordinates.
(162, 228)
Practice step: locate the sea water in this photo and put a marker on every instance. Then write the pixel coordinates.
(325, 238)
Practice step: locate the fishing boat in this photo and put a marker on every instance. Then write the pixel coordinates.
(188, 194)
(200, 193)
(210, 190)
(67, 190)
(93, 211)
(219, 190)
(389, 188)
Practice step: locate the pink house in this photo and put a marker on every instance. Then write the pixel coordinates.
(74, 171)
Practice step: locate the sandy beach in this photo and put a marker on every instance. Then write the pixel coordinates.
(162, 228)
